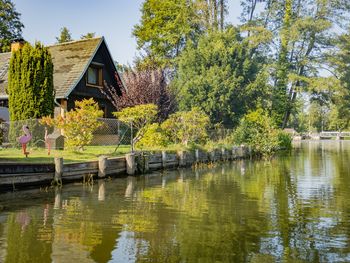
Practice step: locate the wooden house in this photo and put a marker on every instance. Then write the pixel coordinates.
(80, 68)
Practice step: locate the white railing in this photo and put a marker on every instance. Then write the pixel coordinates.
(334, 134)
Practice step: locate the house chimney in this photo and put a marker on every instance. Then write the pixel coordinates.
(17, 44)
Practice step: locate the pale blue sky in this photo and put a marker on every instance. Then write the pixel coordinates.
(113, 19)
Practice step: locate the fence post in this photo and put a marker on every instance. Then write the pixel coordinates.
(224, 156)
(250, 152)
(58, 170)
(132, 138)
(211, 155)
(102, 166)
(241, 151)
(130, 163)
(234, 153)
(142, 162)
(197, 155)
(146, 162)
(182, 158)
(164, 159)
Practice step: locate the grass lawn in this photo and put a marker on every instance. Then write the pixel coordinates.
(39, 155)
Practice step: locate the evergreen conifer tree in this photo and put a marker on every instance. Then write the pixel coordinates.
(10, 25)
(65, 36)
(30, 83)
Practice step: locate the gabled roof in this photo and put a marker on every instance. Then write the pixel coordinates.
(70, 61)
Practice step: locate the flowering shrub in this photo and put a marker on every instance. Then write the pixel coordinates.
(78, 124)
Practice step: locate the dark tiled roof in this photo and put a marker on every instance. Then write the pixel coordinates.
(70, 62)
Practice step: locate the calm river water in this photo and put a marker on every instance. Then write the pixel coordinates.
(295, 208)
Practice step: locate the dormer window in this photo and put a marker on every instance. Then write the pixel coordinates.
(94, 75)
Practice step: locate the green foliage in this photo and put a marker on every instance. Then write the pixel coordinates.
(317, 116)
(257, 130)
(88, 35)
(65, 36)
(187, 127)
(30, 89)
(181, 127)
(164, 29)
(139, 117)
(284, 140)
(280, 98)
(340, 109)
(154, 136)
(299, 118)
(302, 32)
(339, 116)
(10, 25)
(220, 77)
(78, 124)
(30, 83)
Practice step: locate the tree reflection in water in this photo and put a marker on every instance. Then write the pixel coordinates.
(294, 208)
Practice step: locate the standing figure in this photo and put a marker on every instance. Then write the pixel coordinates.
(47, 143)
(24, 139)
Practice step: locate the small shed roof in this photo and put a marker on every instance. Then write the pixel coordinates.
(70, 61)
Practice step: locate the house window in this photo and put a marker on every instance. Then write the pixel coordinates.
(94, 76)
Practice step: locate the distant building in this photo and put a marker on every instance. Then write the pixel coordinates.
(80, 68)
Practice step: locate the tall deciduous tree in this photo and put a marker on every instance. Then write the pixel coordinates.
(213, 13)
(30, 83)
(280, 96)
(340, 61)
(302, 32)
(220, 77)
(65, 36)
(165, 28)
(10, 24)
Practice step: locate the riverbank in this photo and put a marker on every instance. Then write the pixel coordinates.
(14, 175)
(40, 155)
(185, 214)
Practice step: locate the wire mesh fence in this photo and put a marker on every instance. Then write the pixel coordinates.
(35, 134)
(110, 133)
(217, 135)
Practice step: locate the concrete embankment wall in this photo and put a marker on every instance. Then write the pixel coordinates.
(12, 175)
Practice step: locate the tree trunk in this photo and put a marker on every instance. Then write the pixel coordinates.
(222, 14)
(215, 14)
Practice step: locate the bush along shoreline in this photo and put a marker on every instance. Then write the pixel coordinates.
(188, 130)
(183, 130)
